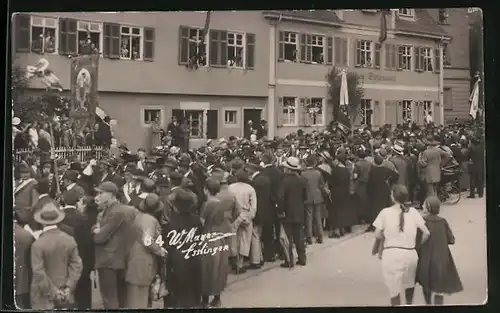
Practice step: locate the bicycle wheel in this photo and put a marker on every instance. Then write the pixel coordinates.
(453, 195)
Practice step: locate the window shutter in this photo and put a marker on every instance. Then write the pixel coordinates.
(399, 112)
(388, 58)
(378, 47)
(223, 48)
(114, 52)
(184, 45)
(63, 36)
(400, 57)
(436, 113)
(344, 51)
(212, 124)
(149, 43)
(106, 49)
(389, 112)
(214, 48)
(300, 112)
(356, 48)
(72, 45)
(303, 39)
(329, 50)
(437, 61)
(281, 47)
(250, 53)
(309, 48)
(281, 115)
(22, 30)
(376, 113)
(336, 49)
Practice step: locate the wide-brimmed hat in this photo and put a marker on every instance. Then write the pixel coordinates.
(292, 163)
(184, 201)
(398, 149)
(430, 140)
(16, 121)
(151, 204)
(107, 186)
(49, 214)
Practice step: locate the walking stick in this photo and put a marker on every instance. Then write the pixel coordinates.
(52, 154)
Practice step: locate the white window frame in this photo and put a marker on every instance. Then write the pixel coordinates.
(318, 41)
(141, 35)
(428, 59)
(287, 40)
(203, 123)
(408, 53)
(235, 45)
(152, 107)
(367, 48)
(322, 121)
(237, 117)
(406, 13)
(207, 41)
(429, 103)
(408, 109)
(79, 28)
(296, 117)
(44, 25)
(363, 111)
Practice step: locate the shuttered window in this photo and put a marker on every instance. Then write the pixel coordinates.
(340, 51)
(68, 36)
(22, 29)
(111, 41)
(218, 48)
(149, 44)
(329, 50)
(250, 53)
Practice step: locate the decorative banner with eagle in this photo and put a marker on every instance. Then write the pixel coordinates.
(84, 72)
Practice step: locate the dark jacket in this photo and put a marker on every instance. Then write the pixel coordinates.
(23, 242)
(265, 207)
(112, 242)
(275, 176)
(292, 196)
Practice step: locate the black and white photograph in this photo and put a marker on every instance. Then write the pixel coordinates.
(248, 159)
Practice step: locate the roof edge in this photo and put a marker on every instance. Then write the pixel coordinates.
(284, 16)
(443, 37)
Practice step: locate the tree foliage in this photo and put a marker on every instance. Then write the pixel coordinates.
(38, 108)
(355, 91)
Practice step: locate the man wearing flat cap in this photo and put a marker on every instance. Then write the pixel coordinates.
(112, 241)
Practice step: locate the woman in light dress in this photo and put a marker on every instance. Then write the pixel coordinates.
(396, 233)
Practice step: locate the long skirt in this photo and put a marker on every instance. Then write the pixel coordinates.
(137, 297)
(399, 267)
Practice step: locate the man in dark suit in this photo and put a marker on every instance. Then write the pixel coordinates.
(70, 183)
(264, 215)
(76, 224)
(43, 188)
(271, 229)
(112, 242)
(476, 167)
(293, 195)
(23, 242)
(26, 195)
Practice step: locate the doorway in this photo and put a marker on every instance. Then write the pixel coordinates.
(253, 115)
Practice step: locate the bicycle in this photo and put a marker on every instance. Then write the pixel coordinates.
(448, 192)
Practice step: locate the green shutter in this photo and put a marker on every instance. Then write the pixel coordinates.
(22, 30)
(437, 113)
(303, 52)
(183, 45)
(223, 47)
(281, 46)
(355, 49)
(149, 40)
(376, 113)
(72, 36)
(329, 50)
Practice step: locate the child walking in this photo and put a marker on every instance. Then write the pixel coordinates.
(436, 271)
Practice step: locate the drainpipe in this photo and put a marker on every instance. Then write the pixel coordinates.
(441, 81)
(273, 68)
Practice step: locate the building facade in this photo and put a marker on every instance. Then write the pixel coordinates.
(400, 77)
(145, 73)
(255, 65)
(456, 62)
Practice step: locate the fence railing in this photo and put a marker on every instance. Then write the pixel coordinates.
(83, 152)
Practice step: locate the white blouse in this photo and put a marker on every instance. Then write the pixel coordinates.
(388, 222)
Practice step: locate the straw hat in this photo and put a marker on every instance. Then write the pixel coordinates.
(49, 214)
(292, 163)
(398, 149)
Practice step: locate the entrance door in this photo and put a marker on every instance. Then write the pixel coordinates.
(253, 115)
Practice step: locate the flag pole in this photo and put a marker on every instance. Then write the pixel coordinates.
(441, 81)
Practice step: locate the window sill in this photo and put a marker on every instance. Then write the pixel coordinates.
(289, 125)
(231, 125)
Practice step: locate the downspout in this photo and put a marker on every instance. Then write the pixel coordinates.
(273, 68)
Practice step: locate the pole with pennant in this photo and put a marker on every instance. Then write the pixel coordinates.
(474, 98)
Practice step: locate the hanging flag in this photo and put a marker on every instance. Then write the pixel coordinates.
(207, 26)
(474, 99)
(343, 115)
(383, 26)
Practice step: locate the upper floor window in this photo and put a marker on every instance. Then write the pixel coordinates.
(365, 111)
(423, 59)
(364, 53)
(406, 13)
(43, 34)
(130, 43)
(89, 37)
(443, 16)
(235, 50)
(193, 47)
(288, 46)
(406, 110)
(405, 58)
(317, 49)
(340, 51)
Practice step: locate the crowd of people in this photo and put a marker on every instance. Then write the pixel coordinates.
(173, 223)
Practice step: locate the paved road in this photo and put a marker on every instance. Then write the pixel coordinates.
(343, 273)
